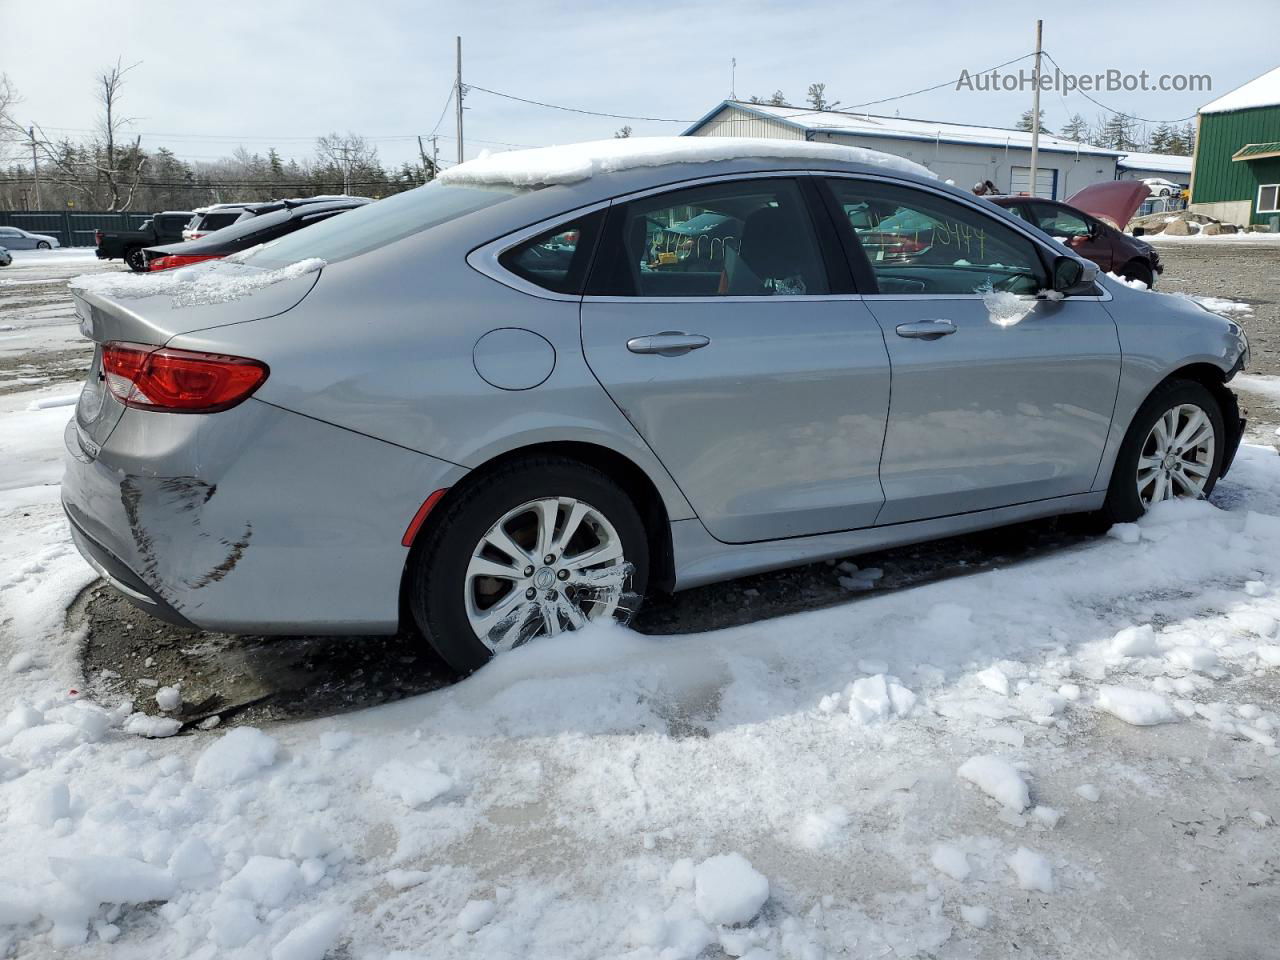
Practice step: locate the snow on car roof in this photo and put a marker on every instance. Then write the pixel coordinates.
(575, 162)
(1263, 91)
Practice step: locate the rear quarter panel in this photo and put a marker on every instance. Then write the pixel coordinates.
(383, 346)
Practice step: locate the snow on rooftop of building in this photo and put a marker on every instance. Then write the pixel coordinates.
(865, 124)
(574, 162)
(1155, 161)
(1263, 91)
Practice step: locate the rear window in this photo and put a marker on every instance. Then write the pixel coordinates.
(378, 224)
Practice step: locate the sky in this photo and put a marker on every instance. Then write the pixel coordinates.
(212, 76)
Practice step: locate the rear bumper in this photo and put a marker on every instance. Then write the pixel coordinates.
(118, 575)
(255, 520)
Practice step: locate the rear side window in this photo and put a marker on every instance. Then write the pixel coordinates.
(745, 238)
(216, 221)
(558, 259)
(380, 223)
(917, 242)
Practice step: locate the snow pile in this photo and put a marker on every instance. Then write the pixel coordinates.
(998, 779)
(236, 756)
(1138, 707)
(572, 163)
(197, 285)
(1033, 870)
(950, 860)
(728, 890)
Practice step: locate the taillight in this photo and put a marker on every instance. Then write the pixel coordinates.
(181, 260)
(178, 381)
(97, 238)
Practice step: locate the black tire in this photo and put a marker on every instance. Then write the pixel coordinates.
(438, 564)
(136, 261)
(1123, 504)
(43, 245)
(1139, 270)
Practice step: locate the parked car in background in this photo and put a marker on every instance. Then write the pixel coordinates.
(409, 408)
(1160, 187)
(15, 238)
(208, 219)
(205, 220)
(1092, 224)
(260, 228)
(127, 245)
(6, 257)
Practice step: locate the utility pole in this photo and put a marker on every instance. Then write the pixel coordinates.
(35, 162)
(1035, 112)
(346, 168)
(458, 98)
(435, 153)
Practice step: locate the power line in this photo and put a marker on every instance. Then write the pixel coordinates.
(1120, 113)
(803, 113)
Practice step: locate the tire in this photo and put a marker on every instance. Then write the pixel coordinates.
(445, 593)
(1138, 270)
(1123, 503)
(136, 261)
(43, 245)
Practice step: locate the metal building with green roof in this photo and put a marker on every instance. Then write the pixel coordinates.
(1236, 173)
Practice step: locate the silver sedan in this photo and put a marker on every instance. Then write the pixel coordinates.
(16, 239)
(513, 401)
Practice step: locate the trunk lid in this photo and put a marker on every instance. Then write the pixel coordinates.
(1114, 202)
(155, 308)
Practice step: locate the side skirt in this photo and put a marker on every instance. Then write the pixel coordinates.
(701, 559)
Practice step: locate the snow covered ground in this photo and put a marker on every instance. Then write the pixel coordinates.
(1072, 757)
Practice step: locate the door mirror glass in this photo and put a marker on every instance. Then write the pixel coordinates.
(1074, 278)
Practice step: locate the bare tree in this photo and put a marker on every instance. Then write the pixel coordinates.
(104, 172)
(11, 131)
(622, 133)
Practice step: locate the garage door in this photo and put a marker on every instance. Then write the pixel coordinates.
(1046, 181)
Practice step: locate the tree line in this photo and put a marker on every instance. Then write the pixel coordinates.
(111, 169)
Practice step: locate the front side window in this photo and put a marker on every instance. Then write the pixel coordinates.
(1061, 222)
(1269, 198)
(922, 243)
(556, 260)
(746, 238)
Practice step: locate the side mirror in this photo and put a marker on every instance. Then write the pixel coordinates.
(1074, 278)
(1139, 231)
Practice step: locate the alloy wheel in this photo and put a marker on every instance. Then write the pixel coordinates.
(546, 566)
(1176, 459)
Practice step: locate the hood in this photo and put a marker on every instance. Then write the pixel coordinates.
(1114, 202)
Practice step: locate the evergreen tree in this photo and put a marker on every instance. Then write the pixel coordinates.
(1164, 139)
(1077, 128)
(817, 97)
(1118, 133)
(1024, 122)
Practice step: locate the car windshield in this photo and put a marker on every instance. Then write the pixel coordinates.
(377, 224)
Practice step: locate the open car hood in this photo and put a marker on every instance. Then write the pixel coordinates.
(1114, 202)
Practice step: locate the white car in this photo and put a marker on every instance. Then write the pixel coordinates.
(16, 239)
(1162, 188)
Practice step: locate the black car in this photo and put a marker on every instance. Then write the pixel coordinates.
(269, 221)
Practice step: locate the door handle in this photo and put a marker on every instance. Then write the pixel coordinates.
(925, 329)
(669, 343)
